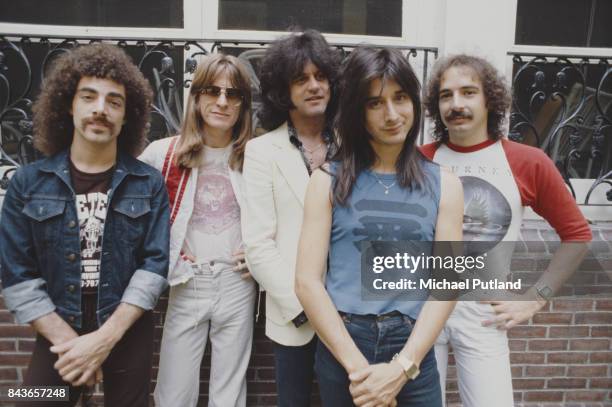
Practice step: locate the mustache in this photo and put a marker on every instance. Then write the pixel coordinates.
(100, 121)
(458, 114)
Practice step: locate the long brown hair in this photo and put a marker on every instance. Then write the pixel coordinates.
(355, 153)
(191, 142)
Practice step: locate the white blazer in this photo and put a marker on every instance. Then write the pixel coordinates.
(275, 180)
(179, 270)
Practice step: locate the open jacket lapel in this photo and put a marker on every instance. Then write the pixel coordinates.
(291, 165)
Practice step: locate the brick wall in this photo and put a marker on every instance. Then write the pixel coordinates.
(563, 356)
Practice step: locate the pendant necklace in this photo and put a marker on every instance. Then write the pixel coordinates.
(386, 187)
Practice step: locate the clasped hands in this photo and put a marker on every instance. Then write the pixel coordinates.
(81, 357)
(377, 385)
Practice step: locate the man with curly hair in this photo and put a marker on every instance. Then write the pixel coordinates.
(298, 81)
(84, 233)
(468, 101)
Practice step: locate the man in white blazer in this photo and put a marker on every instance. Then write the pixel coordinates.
(298, 77)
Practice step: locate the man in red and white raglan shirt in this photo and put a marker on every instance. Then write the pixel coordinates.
(467, 100)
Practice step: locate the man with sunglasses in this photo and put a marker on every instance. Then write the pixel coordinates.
(298, 78)
(211, 292)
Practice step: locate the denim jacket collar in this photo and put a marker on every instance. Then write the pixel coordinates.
(60, 165)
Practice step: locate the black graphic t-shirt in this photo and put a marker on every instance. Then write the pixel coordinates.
(91, 205)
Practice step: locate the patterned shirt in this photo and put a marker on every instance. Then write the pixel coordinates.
(328, 139)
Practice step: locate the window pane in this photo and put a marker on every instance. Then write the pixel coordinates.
(552, 22)
(571, 23)
(362, 17)
(602, 27)
(104, 13)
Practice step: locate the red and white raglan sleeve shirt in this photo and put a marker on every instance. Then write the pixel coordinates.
(502, 177)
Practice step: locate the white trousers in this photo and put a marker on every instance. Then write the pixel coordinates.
(482, 357)
(216, 302)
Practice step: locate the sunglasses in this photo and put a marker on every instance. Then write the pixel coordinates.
(233, 96)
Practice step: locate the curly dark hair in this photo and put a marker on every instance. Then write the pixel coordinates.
(285, 60)
(53, 123)
(497, 95)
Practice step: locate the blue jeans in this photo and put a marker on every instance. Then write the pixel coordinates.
(294, 373)
(378, 338)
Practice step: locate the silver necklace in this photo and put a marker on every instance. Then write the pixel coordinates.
(386, 187)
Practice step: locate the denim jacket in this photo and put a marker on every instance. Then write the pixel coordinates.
(40, 247)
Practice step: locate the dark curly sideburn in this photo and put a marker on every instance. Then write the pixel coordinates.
(497, 95)
(284, 60)
(53, 123)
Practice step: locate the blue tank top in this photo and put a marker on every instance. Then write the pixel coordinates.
(401, 214)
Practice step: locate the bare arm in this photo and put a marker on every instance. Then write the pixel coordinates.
(54, 328)
(311, 265)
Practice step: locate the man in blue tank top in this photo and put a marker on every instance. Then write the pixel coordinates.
(378, 188)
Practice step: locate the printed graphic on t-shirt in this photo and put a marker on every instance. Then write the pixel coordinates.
(388, 227)
(91, 212)
(487, 214)
(216, 208)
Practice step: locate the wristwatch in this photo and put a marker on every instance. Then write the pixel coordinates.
(410, 368)
(300, 320)
(544, 292)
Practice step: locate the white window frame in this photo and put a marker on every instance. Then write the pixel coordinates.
(192, 22)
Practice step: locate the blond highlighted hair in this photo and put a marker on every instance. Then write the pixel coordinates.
(191, 142)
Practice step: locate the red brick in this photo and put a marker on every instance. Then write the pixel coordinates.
(517, 345)
(25, 345)
(585, 396)
(16, 331)
(517, 371)
(587, 371)
(572, 383)
(552, 318)
(589, 344)
(601, 357)
(601, 331)
(527, 358)
(527, 332)
(603, 305)
(452, 385)
(6, 317)
(262, 387)
(522, 384)
(543, 396)
(568, 357)
(452, 398)
(545, 371)
(548, 344)
(572, 305)
(14, 359)
(8, 345)
(601, 383)
(568, 331)
(266, 374)
(8, 374)
(593, 318)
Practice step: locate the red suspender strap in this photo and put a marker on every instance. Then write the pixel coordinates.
(176, 180)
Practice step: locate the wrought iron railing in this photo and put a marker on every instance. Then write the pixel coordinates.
(166, 63)
(563, 104)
